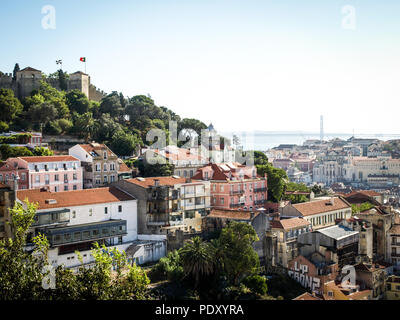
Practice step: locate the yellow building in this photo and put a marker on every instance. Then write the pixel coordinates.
(393, 288)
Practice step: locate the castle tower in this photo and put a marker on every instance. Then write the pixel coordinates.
(28, 79)
(81, 81)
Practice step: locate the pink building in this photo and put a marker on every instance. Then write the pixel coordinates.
(11, 168)
(56, 173)
(234, 186)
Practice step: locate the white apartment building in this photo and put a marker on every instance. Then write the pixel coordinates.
(74, 220)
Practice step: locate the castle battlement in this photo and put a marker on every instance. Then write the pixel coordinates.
(28, 79)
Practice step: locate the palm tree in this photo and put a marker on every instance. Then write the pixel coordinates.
(197, 259)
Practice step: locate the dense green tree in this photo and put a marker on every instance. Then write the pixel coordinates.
(197, 259)
(10, 107)
(42, 151)
(194, 124)
(257, 284)
(277, 179)
(105, 128)
(240, 258)
(16, 69)
(111, 104)
(292, 186)
(21, 272)
(7, 151)
(124, 144)
(84, 125)
(155, 170)
(3, 126)
(54, 97)
(62, 80)
(77, 101)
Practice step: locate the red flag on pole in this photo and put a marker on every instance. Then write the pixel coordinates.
(83, 59)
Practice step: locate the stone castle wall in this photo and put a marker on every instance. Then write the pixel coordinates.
(23, 86)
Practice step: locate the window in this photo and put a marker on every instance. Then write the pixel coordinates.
(105, 179)
(105, 167)
(56, 177)
(55, 189)
(105, 154)
(119, 208)
(37, 178)
(74, 214)
(90, 212)
(222, 200)
(112, 166)
(1, 178)
(75, 176)
(65, 178)
(46, 179)
(214, 187)
(23, 176)
(206, 175)
(65, 188)
(222, 187)
(105, 210)
(112, 178)
(75, 187)
(77, 236)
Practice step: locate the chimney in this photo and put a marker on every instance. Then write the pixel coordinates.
(15, 182)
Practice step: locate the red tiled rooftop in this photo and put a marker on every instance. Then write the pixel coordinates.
(232, 214)
(162, 181)
(288, 224)
(49, 158)
(73, 198)
(321, 206)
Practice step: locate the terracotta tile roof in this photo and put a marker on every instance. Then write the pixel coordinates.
(307, 296)
(370, 193)
(374, 210)
(123, 167)
(97, 148)
(232, 214)
(360, 295)
(321, 206)
(288, 224)
(162, 181)
(48, 158)
(73, 198)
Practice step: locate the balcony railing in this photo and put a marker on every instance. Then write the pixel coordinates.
(233, 192)
(257, 202)
(85, 232)
(260, 189)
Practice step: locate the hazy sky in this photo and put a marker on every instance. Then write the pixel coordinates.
(242, 65)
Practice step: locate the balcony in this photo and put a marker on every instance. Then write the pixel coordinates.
(236, 192)
(85, 232)
(258, 202)
(260, 189)
(51, 218)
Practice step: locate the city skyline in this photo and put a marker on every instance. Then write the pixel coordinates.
(221, 61)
